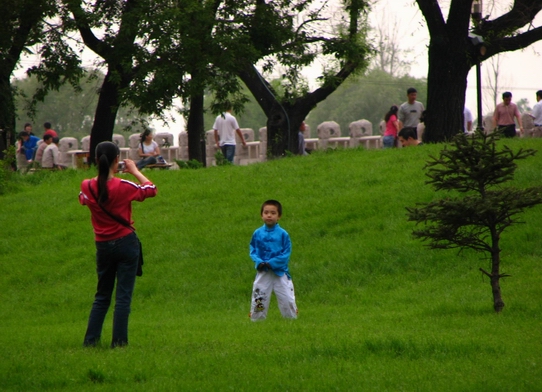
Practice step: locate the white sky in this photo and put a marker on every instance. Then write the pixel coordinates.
(520, 71)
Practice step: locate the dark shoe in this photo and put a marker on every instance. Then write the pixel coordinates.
(91, 343)
(119, 343)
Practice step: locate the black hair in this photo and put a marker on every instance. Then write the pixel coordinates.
(422, 117)
(506, 94)
(408, 132)
(144, 135)
(411, 90)
(393, 110)
(47, 137)
(272, 203)
(539, 93)
(47, 125)
(56, 139)
(106, 153)
(27, 125)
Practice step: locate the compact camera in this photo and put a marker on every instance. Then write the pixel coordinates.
(121, 166)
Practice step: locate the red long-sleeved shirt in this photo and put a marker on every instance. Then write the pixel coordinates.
(121, 194)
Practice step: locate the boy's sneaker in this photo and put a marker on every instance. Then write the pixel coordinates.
(161, 160)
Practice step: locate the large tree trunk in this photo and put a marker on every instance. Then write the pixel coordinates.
(449, 65)
(7, 114)
(283, 124)
(280, 135)
(106, 113)
(283, 118)
(194, 127)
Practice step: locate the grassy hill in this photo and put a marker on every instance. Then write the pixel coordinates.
(377, 310)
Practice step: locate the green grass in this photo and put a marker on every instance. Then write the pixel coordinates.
(378, 311)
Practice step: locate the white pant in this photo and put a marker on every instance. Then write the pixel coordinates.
(265, 283)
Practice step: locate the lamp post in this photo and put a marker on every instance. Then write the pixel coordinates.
(478, 42)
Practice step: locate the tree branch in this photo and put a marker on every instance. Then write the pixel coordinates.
(433, 17)
(522, 13)
(90, 40)
(519, 41)
(485, 272)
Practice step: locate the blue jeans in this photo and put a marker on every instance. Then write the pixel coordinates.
(388, 141)
(118, 260)
(145, 161)
(228, 150)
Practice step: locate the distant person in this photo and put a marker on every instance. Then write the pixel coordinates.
(504, 116)
(392, 127)
(410, 111)
(28, 145)
(51, 155)
(467, 120)
(270, 250)
(536, 114)
(301, 150)
(49, 130)
(148, 150)
(225, 128)
(408, 137)
(109, 199)
(28, 128)
(47, 139)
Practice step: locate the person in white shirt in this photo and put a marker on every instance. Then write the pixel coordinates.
(148, 150)
(51, 155)
(47, 139)
(225, 128)
(536, 114)
(467, 118)
(410, 111)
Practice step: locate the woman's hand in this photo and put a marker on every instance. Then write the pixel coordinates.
(130, 167)
(133, 170)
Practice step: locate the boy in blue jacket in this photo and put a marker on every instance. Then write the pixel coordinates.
(270, 250)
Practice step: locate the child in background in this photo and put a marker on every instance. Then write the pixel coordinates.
(270, 250)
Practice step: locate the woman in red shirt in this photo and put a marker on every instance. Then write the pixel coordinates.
(109, 199)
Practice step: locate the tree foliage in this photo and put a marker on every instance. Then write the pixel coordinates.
(71, 112)
(346, 44)
(483, 208)
(23, 25)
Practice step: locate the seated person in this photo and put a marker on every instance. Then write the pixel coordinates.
(28, 145)
(148, 150)
(47, 139)
(51, 155)
(408, 136)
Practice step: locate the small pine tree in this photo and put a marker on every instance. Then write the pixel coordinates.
(475, 168)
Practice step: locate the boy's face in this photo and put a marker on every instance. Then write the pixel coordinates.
(412, 97)
(406, 142)
(270, 215)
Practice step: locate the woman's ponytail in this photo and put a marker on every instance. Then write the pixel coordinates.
(106, 153)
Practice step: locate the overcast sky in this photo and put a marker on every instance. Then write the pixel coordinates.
(521, 70)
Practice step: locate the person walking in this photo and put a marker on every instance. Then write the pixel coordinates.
(504, 116)
(118, 248)
(536, 114)
(225, 128)
(410, 111)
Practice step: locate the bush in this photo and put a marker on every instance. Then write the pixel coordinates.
(6, 168)
(191, 164)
